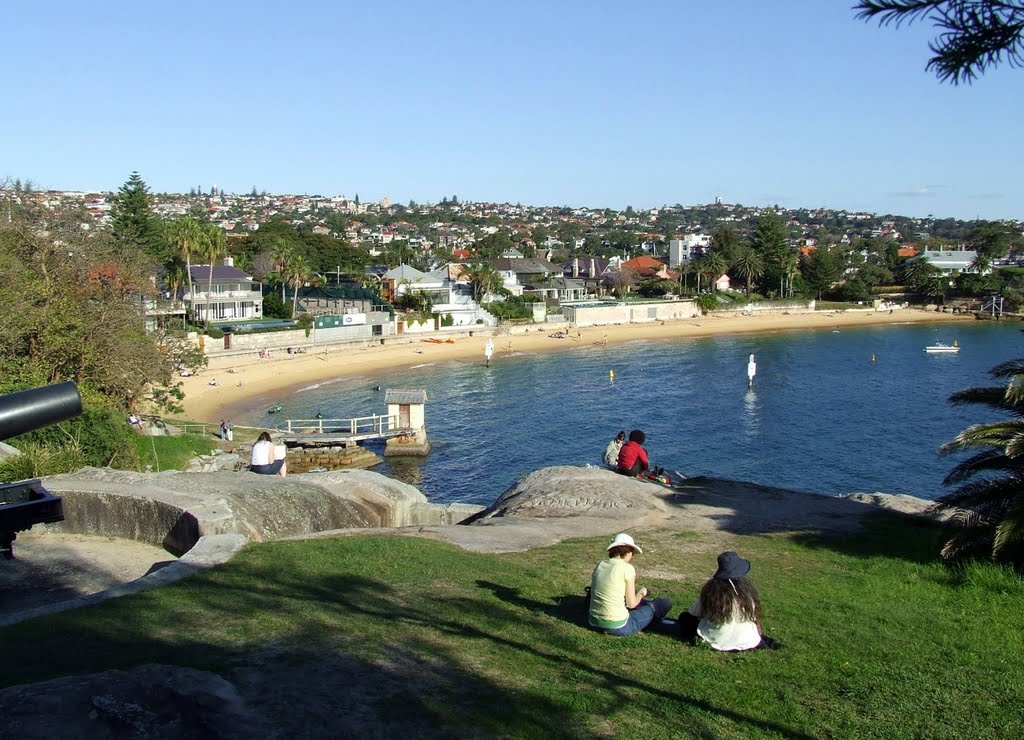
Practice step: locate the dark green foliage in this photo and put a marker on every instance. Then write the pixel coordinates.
(511, 308)
(447, 320)
(853, 289)
(656, 287)
(215, 332)
(274, 307)
(133, 225)
(820, 271)
(975, 34)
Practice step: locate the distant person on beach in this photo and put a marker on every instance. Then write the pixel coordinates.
(135, 422)
(263, 461)
(611, 452)
(223, 430)
(727, 614)
(633, 457)
(617, 607)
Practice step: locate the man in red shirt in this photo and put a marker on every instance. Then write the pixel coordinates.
(632, 456)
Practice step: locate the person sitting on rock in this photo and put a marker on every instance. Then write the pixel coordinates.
(611, 452)
(263, 455)
(727, 614)
(616, 606)
(633, 457)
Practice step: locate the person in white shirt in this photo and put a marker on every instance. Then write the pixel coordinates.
(727, 614)
(611, 452)
(263, 461)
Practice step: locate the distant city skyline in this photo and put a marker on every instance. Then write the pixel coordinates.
(794, 103)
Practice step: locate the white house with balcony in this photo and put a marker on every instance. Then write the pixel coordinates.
(225, 294)
(682, 251)
(950, 262)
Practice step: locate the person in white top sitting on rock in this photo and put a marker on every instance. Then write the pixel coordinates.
(263, 455)
(727, 614)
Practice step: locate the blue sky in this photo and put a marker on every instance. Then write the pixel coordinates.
(595, 103)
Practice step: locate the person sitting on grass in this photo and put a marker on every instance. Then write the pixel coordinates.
(263, 461)
(616, 606)
(727, 614)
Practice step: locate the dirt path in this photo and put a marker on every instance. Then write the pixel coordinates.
(50, 568)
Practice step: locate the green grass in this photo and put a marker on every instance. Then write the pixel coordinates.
(881, 640)
(170, 453)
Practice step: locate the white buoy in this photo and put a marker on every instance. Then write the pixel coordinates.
(489, 350)
(751, 371)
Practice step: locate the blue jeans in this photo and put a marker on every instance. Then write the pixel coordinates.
(643, 616)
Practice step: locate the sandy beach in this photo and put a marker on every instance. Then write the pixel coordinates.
(245, 381)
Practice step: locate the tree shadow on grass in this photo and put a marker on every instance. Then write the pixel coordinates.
(826, 522)
(322, 653)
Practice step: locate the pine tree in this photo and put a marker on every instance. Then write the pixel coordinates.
(133, 223)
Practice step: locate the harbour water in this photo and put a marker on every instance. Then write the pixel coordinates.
(830, 412)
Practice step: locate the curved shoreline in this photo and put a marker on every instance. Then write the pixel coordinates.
(243, 380)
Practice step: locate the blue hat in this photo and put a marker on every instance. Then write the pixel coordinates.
(731, 565)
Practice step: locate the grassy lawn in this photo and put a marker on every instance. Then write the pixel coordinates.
(881, 640)
(170, 453)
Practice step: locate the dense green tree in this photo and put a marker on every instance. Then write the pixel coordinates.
(919, 274)
(483, 278)
(769, 240)
(820, 271)
(133, 225)
(727, 242)
(991, 240)
(974, 35)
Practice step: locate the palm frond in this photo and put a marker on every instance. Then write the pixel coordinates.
(994, 397)
(1010, 531)
(986, 461)
(986, 496)
(1008, 369)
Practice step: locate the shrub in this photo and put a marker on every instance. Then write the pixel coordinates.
(215, 332)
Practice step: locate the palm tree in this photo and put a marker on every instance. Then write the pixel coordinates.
(981, 263)
(748, 266)
(713, 266)
(918, 273)
(484, 279)
(186, 236)
(213, 246)
(988, 507)
(298, 273)
(283, 253)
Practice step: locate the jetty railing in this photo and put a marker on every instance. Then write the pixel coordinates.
(363, 425)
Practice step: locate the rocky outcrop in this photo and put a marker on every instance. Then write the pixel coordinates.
(555, 503)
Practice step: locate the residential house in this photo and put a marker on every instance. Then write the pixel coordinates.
(404, 280)
(522, 275)
(231, 296)
(948, 261)
(687, 249)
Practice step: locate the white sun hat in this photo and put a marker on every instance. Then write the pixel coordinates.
(623, 539)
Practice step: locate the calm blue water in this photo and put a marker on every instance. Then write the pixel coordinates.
(822, 416)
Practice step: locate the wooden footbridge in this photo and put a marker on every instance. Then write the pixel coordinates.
(341, 432)
(405, 418)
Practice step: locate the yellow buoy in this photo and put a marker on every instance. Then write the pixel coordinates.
(872, 358)
(955, 344)
(611, 376)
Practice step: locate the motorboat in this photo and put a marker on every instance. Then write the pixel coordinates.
(942, 348)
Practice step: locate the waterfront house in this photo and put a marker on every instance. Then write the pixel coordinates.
(226, 294)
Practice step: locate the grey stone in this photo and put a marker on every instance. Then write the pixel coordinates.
(150, 701)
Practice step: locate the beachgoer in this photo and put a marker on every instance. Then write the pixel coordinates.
(263, 461)
(633, 457)
(213, 381)
(223, 430)
(135, 421)
(611, 452)
(727, 614)
(616, 605)
(318, 414)
(230, 429)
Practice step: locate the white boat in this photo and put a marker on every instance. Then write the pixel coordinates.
(942, 348)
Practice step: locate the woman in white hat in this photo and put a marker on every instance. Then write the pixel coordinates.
(616, 606)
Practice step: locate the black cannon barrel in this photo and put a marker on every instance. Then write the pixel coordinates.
(26, 411)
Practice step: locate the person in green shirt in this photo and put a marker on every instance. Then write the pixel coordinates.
(617, 607)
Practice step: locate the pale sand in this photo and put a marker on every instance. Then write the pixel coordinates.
(263, 380)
